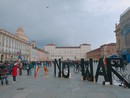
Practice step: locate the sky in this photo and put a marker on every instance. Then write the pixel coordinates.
(63, 22)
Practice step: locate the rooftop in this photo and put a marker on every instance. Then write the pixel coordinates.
(125, 11)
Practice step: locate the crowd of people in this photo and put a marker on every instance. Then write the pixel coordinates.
(12, 68)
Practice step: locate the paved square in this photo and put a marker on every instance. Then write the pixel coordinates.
(54, 87)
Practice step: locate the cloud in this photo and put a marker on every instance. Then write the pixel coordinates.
(105, 6)
(64, 22)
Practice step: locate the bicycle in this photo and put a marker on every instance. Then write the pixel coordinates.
(77, 68)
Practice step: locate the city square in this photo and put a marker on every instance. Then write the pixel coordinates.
(54, 87)
(65, 49)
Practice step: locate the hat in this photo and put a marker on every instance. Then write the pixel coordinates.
(16, 64)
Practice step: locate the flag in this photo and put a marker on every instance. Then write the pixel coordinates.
(36, 71)
(19, 57)
(45, 70)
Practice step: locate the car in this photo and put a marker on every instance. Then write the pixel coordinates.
(113, 56)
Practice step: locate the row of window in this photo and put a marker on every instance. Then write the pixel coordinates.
(56, 56)
(11, 43)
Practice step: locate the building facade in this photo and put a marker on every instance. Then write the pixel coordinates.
(95, 54)
(39, 54)
(122, 32)
(65, 53)
(11, 45)
(102, 52)
(14, 47)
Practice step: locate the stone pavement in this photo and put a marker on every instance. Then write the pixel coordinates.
(54, 87)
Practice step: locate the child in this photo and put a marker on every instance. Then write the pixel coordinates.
(14, 72)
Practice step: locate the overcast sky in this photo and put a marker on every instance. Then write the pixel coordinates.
(63, 22)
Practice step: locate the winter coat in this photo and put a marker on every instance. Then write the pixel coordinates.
(14, 70)
(3, 70)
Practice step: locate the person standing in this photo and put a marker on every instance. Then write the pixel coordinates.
(14, 72)
(28, 69)
(20, 68)
(3, 74)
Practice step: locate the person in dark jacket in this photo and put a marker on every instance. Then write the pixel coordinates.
(29, 66)
(3, 74)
